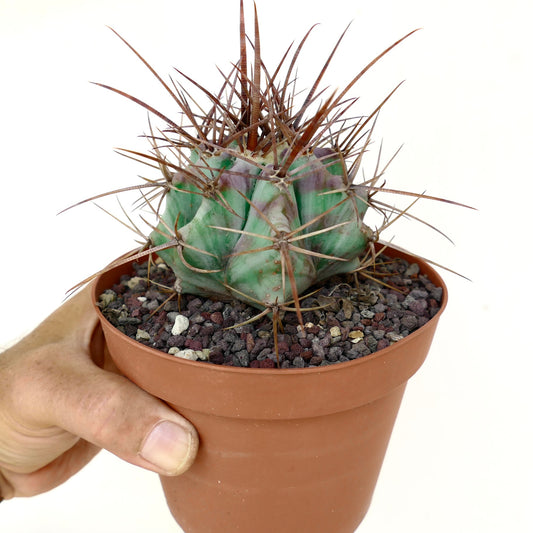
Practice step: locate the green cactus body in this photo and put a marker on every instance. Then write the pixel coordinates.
(242, 241)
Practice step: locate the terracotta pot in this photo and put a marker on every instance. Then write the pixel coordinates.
(282, 451)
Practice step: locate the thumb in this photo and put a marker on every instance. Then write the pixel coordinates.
(111, 412)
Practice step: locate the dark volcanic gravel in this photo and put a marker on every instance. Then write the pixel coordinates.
(354, 320)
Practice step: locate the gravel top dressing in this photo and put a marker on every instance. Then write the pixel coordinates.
(354, 319)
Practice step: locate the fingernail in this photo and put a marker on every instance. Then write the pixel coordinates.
(167, 447)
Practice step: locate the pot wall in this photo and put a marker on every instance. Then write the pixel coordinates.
(315, 474)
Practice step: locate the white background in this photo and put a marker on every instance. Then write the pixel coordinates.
(460, 456)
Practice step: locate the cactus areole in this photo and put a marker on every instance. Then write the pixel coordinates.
(260, 196)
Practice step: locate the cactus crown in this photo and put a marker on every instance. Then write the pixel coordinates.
(259, 197)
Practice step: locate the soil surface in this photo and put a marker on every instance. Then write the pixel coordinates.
(356, 317)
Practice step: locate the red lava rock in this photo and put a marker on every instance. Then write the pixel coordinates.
(296, 349)
(283, 347)
(207, 330)
(194, 330)
(133, 302)
(305, 343)
(418, 307)
(307, 355)
(161, 318)
(378, 317)
(176, 340)
(315, 360)
(267, 363)
(289, 356)
(216, 356)
(255, 363)
(332, 321)
(383, 343)
(217, 318)
(194, 344)
(194, 304)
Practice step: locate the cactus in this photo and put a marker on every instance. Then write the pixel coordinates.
(262, 238)
(261, 196)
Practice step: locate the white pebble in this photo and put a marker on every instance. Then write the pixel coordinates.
(356, 336)
(142, 335)
(180, 325)
(133, 282)
(366, 313)
(394, 337)
(412, 270)
(204, 354)
(191, 355)
(335, 331)
(107, 298)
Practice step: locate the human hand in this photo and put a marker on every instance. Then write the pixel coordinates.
(58, 408)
